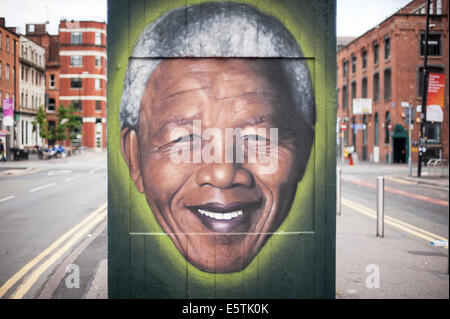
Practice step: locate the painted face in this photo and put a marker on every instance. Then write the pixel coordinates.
(218, 214)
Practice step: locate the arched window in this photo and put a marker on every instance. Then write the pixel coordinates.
(387, 137)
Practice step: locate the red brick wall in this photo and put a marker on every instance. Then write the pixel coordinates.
(404, 33)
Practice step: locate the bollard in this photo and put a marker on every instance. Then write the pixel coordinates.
(338, 191)
(380, 206)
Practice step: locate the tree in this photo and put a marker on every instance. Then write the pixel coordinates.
(41, 120)
(69, 124)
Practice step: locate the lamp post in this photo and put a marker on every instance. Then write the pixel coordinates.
(423, 115)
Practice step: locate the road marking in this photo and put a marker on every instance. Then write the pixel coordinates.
(34, 276)
(18, 275)
(42, 187)
(69, 179)
(6, 198)
(92, 171)
(400, 192)
(59, 172)
(413, 230)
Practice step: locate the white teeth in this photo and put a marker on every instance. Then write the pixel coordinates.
(225, 216)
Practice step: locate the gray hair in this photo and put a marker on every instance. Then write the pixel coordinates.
(218, 29)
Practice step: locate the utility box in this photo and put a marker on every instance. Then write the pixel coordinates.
(221, 149)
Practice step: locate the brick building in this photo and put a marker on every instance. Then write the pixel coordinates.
(32, 93)
(38, 33)
(384, 67)
(82, 55)
(9, 79)
(76, 74)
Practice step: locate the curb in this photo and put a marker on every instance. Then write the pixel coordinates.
(416, 180)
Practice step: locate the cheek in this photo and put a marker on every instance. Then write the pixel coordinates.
(162, 178)
(283, 172)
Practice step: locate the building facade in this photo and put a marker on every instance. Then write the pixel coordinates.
(32, 93)
(379, 73)
(38, 33)
(76, 75)
(9, 81)
(82, 56)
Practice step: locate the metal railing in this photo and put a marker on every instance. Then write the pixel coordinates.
(437, 167)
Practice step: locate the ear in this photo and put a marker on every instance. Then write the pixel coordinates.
(130, 152)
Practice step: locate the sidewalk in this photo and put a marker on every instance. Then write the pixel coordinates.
(398, 265)
(390, 267)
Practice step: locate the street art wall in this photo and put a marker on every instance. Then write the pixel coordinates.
(221, 149)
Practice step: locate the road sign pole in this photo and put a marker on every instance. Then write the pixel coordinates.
(380, 206)
(409, 138)
(422, 141)
(338, 190)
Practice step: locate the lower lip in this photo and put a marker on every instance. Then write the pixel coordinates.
(223, 226)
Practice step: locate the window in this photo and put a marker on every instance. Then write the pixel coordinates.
(345, 68)
(438, 6)
(364, 88)
(7, 72)
(387, 48)
(387, 84)
(353, 90)
(98, 61)
(76, 60)
(51, 105)
(98, 38)
(75, 83)
(98, 84)
(364, 58)
(431, 69)
(434, 44)
(386, 128)
(353, 64)
(1, 70)
(77, 105)
(376, 87)
(433, 132)
(98, 106)
(375, 53)
(76, 38)
(1, 40)
(344, 97)
(7, 43)
(51, 81)
(376, 137)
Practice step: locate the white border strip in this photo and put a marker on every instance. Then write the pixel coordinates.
(83, 30)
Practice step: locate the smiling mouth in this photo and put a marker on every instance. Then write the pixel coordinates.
(226, 218)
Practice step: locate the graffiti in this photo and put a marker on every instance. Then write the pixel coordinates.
(219, 214)
(219, 143)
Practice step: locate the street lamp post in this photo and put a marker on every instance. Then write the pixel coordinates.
(423, 116)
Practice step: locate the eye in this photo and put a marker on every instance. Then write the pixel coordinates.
(187, 138)
(255, 138)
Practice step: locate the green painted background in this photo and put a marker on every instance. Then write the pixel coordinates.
(300, 265)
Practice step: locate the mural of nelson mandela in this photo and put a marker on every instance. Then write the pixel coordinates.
(219, 213)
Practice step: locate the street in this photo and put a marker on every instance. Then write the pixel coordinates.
(53, 241)
(41, 204)
(415, 214)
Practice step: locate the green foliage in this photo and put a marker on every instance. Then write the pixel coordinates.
(69, 124)
(41, 120)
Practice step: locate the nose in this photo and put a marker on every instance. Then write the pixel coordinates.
(223, 175)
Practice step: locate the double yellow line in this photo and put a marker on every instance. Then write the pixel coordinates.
(410, 229)
(78, 231)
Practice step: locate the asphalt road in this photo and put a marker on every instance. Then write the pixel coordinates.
(40, 201)
(420, 205)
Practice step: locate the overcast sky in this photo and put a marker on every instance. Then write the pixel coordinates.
(354, 17)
